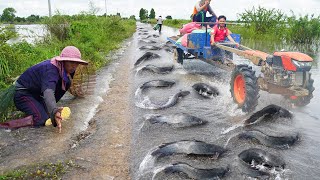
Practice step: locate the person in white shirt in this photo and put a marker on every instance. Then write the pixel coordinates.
(159, 23)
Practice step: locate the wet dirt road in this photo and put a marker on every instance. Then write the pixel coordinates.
(96, 137)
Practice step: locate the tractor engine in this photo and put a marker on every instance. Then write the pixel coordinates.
(287, 68)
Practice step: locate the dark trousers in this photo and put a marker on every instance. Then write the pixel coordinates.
(201, 17)
(160, 26)
(180, 55)
(31, 105)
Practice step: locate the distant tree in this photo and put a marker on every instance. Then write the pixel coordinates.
(118, 14)
(8, 15)
(33, 18)
(143, 14)
(20, 19)
(168, 17)
(152, 14)
(132, 17)
(146, 13)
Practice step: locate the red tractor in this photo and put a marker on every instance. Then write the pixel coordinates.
(285, 73)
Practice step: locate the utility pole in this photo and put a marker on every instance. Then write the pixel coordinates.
(105, 6)
(49, 4)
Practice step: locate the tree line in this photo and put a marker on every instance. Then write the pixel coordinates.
(8, 16)
(144, 14)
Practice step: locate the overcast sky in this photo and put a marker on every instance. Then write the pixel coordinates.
(178, 9)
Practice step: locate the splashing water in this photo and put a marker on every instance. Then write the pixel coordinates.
(225, 131)
(138, 93)
(159, 170)
(277, 173)
(138, 69)
(147, 164)
(225, 146)
(144, 103)
(91, 113)
(141, 126)
(179, 70)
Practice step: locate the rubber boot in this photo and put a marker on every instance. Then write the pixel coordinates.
(18, 123)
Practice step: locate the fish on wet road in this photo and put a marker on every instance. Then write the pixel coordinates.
(206, 90)
(192, 172)
(270, 111)
(279, 142)
(157, 83)
(156, 69)
(145, 57)
(175, 120)
(254, 158)
(150, 47)
(186, 147)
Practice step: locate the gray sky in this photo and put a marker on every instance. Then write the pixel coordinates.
(180, 9)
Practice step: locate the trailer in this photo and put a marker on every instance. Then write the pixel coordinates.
(199, 48)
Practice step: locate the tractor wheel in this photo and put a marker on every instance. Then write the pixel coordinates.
(244, 87)
(305, 100)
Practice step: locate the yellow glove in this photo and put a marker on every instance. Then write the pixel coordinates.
(65, 114)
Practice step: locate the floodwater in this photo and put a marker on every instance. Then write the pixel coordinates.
(224, 120)
(29, 33)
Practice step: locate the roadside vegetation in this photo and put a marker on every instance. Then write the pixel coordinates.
(95, 36)
(40, 171)
(272, 24)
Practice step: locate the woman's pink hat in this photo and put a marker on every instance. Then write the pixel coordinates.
(71, 53)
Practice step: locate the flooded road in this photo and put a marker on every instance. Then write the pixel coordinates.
(109, 137)
(224, 122)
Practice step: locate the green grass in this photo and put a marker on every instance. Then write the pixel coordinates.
(94, 36)
(40, 171)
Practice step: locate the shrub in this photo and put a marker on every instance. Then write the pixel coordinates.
(304, 29)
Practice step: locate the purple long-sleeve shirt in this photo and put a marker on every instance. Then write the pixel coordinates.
(42, 76)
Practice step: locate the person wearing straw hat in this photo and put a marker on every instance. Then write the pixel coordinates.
(200, 10)
(41, 86)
